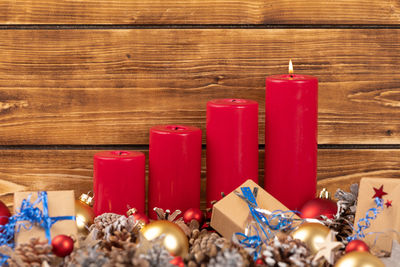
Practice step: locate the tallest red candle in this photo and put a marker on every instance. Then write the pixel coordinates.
(291, 138)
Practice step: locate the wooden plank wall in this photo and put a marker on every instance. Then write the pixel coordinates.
(77, 77)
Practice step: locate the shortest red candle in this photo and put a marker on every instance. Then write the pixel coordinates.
(119, 181)
(174, 168)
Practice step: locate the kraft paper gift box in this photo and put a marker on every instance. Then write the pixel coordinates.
(387, 220)
(230, 214)
(60, 203)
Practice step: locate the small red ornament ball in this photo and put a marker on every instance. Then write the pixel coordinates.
(62, 245)
(193, 214)
(141, 217)
(357, 245)
(177, 261)
(319, 206)
(4, 214)
(259, 262)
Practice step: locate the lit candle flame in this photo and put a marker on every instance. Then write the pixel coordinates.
(290, 67)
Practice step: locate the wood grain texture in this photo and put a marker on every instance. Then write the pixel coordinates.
(200, 12)
(111, 86)
(72, 169)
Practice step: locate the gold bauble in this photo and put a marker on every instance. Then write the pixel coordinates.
(84, 216)
(311, 234)
(359, 259)
(175, 240)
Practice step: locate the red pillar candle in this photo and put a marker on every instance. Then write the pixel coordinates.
(119, 181)
(291, 138)
(174, 168)
(232, 145)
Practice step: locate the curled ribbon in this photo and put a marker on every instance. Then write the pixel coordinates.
(28, 216)
(364, 223)
(265, 221)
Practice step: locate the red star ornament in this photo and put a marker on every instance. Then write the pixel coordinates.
(379, 192)
(388, 203)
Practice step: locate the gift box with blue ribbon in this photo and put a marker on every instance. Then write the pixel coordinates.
(56, 210)
(233, 213)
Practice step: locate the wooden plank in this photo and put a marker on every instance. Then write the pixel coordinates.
(111, 86)
(199, 12)
(72, 169)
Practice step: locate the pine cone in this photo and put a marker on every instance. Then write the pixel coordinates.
(207, 243)
(286, 251)
(34, 253)
(86, 257)
(158, 256)
(124, 256)
(247, 259)
(349, 199)
(118, 238)
(101, 222)
(172, 217)
(204, 245)
(228, 257)
(166, 215)
(110, 223)
(343, 221)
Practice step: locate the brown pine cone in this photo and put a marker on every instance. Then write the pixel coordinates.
(207, 243)
(34, 253)
(203, 247)
(286, 251)
(118, 238)
(123, 257)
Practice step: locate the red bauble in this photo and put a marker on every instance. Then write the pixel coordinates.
(319, 206)
(177, 261)
(357, 245)
(62, 245)
(141, 217)
(4, 214)
(193, 214)
(259, 262)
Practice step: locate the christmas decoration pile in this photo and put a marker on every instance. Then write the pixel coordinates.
(177, 239)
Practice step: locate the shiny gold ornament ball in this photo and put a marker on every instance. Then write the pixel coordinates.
(84, 216)
(359, 259)
(175, 240)
(311, 234)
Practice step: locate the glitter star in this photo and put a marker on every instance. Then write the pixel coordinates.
(388, 203)
(379, 192)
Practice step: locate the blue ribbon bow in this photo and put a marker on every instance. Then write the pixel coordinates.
(276, 220)
(28, 216)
